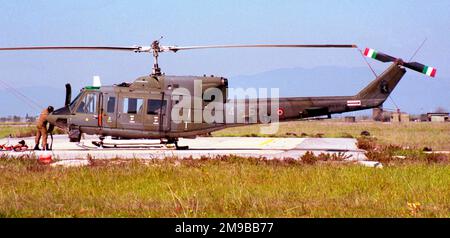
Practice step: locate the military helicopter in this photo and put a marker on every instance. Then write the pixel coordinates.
(145, 108)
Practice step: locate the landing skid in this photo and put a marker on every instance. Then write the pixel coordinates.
(97, 145)
(130, 144)
(174, 141)
(184, 147)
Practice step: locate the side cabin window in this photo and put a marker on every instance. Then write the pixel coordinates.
(133, 105)
(110, 107)
(155, 106)
(88, 104)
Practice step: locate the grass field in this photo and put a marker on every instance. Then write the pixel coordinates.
(414, 135)
(223, 188)
(414, 186)
(19, 130)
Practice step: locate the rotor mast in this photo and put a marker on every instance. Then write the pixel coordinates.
(155, 50)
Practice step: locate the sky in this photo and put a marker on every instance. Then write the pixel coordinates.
(394, 27)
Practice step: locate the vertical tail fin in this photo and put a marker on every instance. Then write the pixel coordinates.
(383, 85)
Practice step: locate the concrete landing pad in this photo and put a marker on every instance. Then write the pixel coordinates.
(270, 148)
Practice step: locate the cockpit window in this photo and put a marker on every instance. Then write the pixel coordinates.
(89, 104)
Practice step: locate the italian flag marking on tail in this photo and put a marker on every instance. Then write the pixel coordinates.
(371, 53)
(430, 71)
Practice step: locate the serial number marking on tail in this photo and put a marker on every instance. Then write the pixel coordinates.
(354, 103)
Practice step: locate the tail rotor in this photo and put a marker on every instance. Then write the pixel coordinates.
(418, 67)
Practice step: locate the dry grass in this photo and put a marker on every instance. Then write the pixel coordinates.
(415, 135)
(224, 187)
(395, 155)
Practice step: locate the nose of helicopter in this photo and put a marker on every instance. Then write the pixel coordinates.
(51, 119)
(59, 117)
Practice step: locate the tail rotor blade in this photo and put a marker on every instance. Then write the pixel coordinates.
(385, 58)
(427, 70)
(371, 53)
(415, 66)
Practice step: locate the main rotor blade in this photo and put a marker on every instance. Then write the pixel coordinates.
(132, 48)
(177, 48)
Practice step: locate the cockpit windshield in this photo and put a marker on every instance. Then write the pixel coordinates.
(72, 104)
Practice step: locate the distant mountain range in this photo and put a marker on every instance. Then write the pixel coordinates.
(414, 94)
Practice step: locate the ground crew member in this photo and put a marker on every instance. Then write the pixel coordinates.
(42, 128)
